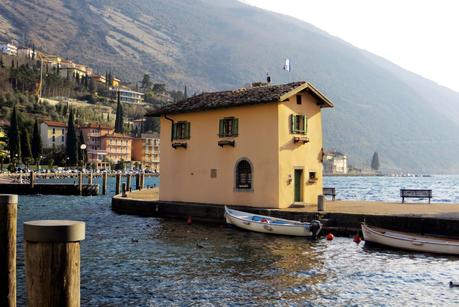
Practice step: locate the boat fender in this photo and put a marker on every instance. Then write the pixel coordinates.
(357, 239)
(189, 221)
(330, 236)
(265, 221)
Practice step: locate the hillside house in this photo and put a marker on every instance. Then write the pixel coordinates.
(335, 163)
(258, 146)
(53, 134)
(9, 49)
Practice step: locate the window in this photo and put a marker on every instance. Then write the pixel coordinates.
(54, 138)
(298, 99)
(181, 131)
(298, 124)
(63, 131)
(54, 130)
(243, 175)
(228, 127)
(62, 138)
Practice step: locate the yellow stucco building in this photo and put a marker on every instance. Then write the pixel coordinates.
(259, 146)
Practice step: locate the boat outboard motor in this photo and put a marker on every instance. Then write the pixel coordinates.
(315, 228)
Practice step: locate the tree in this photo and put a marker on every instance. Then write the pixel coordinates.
(146, 83)
(375, 162)
(92, 86)
(71, 144)
(26, 151)
(14, 139)
(37, 146)
(119, 116)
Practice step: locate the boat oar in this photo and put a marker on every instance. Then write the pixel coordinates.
(453, 284)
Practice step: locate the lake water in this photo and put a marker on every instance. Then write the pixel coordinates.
(137, 261)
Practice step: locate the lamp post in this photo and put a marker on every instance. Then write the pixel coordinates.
(38, 162)
(83, 148)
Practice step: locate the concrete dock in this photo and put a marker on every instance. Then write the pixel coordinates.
(341, 217)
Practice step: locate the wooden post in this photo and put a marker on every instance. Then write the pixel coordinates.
(104, 183)
(118, 184)
(137, 181)
(80, 183)
(123, 190)
(8, 220)
(90, 178)
(52, 262)
(142, 180)
(32, 179)
(128, 182)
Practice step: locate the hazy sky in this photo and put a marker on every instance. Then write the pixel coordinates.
(419, 35)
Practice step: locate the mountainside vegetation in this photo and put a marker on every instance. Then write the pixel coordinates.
(210, 45)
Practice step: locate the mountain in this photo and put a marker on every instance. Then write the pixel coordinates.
(206, 44)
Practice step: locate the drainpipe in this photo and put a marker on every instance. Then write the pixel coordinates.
(172, 124)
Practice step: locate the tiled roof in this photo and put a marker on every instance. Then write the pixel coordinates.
(240, 97)
(51, 123)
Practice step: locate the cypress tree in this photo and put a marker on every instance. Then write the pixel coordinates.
(26, 151)
(71, 144)
(37, 146)
(375, 162)
(119, 116)
(14, 139)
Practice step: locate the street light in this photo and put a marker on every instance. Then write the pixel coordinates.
(83, 147)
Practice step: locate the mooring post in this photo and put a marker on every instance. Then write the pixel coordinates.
(123, 190)
(80, 183)
(320, 203)
(52, 262)
(90, 178)
(32, 179)
(104, 183)
(118, 184)
(8, 220)
(128, 182)
(142, 180)
(137, 181)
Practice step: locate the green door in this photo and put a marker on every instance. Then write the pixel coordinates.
(298, 180)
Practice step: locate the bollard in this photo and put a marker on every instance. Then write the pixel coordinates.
(124, 190)
(90, 178)
(320, 203)
(142, 180)
(8, 218)
(80, 183)
(104, 183)
(118, 184)
(128, 182)
(52, 262)
(137, 181)
(32, 179)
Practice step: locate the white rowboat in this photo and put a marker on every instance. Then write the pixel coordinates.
(269, 224)
(410, 241)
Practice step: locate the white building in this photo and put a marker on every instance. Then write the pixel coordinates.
(27, 53)
(335, 163)
(53, 134)
(127, 95)
(9, 49)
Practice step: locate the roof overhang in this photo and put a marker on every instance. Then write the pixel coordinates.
(323, 101)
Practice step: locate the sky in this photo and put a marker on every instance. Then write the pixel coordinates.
(421, 36)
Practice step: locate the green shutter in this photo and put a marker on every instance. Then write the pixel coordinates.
(292, 123)
(187, 130)
(305, 124)
(221, 132)
(235, 126)
(174, 131)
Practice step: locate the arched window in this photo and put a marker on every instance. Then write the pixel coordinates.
(243, 175)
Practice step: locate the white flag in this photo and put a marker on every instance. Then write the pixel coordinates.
(287, 65)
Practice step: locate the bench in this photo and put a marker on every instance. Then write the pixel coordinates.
(329, 192)
(415, 193)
